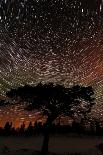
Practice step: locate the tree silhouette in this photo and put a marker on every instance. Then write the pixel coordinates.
(30, 129)
(7, 128)
(53, 101)
(22, 129)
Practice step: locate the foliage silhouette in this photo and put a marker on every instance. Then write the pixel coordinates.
(22, 129)
(4, 103)
(53, 101)
(30, 129)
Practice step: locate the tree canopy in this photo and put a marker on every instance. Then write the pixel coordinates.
(55, 99)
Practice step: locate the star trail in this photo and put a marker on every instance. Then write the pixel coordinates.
(59, 41)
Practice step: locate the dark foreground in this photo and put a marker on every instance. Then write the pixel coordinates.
(58, 145)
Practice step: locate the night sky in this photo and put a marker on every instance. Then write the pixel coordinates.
(59, 41)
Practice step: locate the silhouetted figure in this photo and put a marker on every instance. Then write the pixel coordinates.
(53, 101)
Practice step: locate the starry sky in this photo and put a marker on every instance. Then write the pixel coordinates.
(59, 41)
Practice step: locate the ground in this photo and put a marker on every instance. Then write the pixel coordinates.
(58, 145)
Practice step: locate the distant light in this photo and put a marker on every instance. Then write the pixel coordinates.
(82, 10)
(22, 118)
(100, 8)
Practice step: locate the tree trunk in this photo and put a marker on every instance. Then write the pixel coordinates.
(44, 150)
(47, 127)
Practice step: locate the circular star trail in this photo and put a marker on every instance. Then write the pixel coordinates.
(59, 41)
